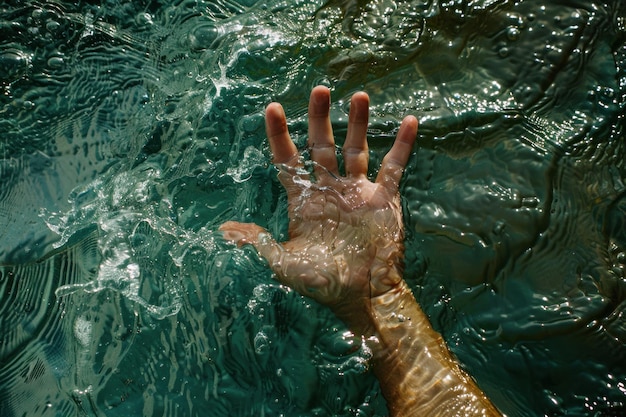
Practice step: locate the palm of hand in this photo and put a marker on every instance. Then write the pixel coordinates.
(345, 233)
(345, 239)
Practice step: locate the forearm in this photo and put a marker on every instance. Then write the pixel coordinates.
(417, 373)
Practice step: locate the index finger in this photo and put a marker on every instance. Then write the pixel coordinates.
(284, 151)
(285, 154)
(394, 162)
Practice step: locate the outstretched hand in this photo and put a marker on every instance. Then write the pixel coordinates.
(346, 235)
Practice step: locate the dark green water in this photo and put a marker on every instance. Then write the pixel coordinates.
(129, 131)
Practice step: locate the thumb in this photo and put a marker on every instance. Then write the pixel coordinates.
(252, 234)
(298, 270)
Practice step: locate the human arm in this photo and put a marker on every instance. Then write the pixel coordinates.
(345, 250)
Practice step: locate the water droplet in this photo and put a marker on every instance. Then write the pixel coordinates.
(203, 37)
(261, 343)
(13, 64)
(56, 62)
(498, 228)
(513, 33)
(53, 26)
(144, 19)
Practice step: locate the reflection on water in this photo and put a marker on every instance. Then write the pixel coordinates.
(131, 130)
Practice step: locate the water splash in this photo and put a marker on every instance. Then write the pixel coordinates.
(117, 207)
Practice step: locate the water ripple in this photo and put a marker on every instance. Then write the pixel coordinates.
(131, 130)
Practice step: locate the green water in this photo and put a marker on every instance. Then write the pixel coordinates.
(129, 131)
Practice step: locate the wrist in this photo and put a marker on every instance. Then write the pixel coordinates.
(364, 313)
(396, 321)
(385, 321)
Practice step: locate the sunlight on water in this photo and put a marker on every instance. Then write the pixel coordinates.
(132, 130)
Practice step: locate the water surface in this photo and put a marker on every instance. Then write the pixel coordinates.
(131, 130)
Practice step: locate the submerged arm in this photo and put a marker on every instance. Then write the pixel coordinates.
(418, 375)
(345, 250)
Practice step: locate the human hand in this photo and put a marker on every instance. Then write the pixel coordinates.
(346, 235)
(345, 250)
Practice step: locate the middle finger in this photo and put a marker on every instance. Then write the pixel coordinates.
(321, 141)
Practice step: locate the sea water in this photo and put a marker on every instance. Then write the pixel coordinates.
(129, 131)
